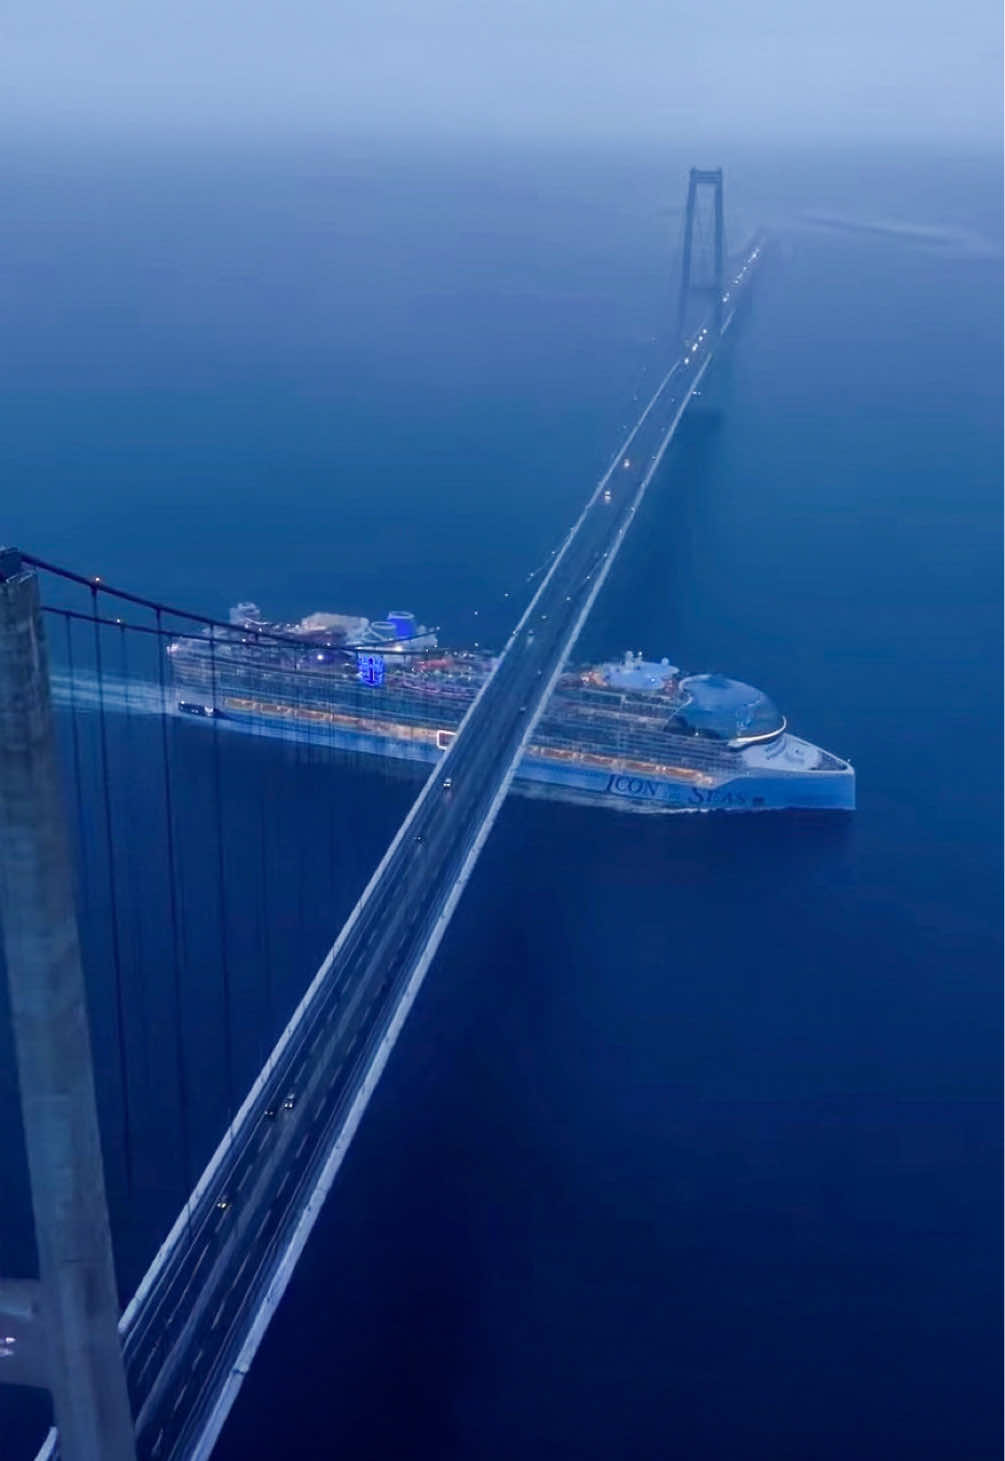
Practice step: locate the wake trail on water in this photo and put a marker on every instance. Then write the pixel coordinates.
(960, 242)
(83, 691)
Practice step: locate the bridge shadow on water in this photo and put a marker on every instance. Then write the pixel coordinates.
(660, 557)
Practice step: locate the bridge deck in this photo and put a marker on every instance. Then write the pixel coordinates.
(196, 1321)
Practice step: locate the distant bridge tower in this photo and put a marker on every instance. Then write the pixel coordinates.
(708, 268)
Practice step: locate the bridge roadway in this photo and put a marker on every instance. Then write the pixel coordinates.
(199, 1314)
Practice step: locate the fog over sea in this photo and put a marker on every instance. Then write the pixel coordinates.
(689, 1148)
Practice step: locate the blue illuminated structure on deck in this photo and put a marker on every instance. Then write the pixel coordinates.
(371, 668)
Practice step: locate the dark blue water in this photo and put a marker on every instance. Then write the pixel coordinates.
(690, 1147)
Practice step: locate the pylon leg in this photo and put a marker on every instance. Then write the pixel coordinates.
(71, 1318)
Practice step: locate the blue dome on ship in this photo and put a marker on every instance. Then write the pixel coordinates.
(725, 710)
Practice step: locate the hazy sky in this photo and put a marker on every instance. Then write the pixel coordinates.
(803, 68)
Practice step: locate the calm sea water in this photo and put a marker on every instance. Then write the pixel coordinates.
(690, 1146)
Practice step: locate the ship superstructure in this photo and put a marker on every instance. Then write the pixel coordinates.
(634, 733)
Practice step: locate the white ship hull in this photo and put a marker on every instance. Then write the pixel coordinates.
(785, 774)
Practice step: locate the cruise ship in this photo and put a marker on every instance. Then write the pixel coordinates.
(632, 734)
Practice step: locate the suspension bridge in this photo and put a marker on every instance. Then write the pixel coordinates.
(157, 1381)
